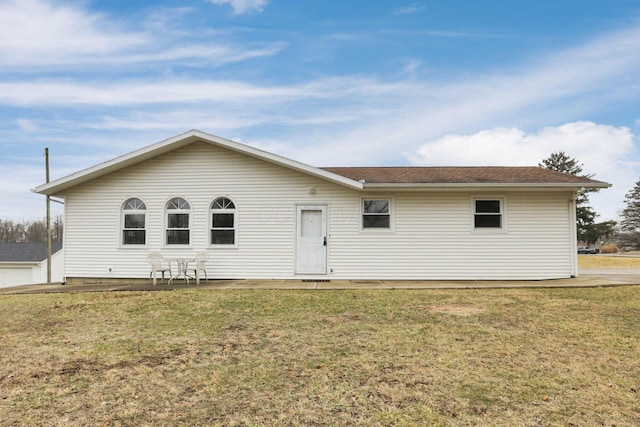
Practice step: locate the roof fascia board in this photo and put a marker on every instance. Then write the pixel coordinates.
(478, 186)
(20, 264)
(178, 141)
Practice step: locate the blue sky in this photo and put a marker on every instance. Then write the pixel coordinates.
(329, 83)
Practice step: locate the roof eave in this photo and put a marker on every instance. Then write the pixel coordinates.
(479, 186)
(20, 263)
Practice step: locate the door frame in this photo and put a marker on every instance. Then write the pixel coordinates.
(324, 207)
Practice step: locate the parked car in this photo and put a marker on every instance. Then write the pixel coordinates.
(588, 250)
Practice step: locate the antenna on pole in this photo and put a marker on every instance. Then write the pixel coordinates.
(46, 159)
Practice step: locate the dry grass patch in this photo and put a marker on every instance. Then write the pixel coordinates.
(332, 358)
(458, 310)
(607, 261)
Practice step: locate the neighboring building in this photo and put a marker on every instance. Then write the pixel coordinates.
(263, 216)
(26, 263)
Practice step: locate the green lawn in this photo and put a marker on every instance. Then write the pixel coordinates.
(534, 357)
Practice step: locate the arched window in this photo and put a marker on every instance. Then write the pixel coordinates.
(223, 222)
(134, 222)
(178, 221)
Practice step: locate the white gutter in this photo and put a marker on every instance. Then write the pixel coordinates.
(451, 186)
(573, 235)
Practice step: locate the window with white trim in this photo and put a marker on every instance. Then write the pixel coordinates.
(134, 222)
(178, 221)
(223, 222)
(376, 213)
(488, 213)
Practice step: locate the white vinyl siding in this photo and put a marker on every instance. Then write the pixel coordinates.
(432, 238)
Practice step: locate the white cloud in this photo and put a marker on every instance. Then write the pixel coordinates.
(499, 146)
(212, 55)
(408, 10)
(240, 7)
(551, 88)
(41, 32)
(27, 125)
(602, 149)
(134, 92)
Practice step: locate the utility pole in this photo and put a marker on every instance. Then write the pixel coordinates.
(46, 159)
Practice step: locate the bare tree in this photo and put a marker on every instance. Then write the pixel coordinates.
(30, 231)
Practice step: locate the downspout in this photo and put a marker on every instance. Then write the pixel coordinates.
(46, 157)
(573, 233)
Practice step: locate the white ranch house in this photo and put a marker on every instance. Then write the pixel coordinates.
(263, 216)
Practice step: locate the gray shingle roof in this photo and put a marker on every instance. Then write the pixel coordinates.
(462, 175)
(26, 252)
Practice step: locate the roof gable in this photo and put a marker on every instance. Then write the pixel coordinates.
(171, 144)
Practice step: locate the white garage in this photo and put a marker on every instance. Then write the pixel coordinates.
(26, 263)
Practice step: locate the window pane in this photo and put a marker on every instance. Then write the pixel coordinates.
(134, 237)
(222, 237)
(178, 220)
(222, 220)
(376, 206)
(177, 237)
(311, 223)
(487, 206)
(222, 203)
(134, 221)
(488, 221)
(375, 221)
(178, 203)
(134, 204)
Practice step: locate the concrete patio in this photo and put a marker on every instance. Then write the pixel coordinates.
(587, 278)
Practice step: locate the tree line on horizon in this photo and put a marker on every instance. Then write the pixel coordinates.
(31, 231)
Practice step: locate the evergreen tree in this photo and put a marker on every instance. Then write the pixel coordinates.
(631, 213)
(585, 215)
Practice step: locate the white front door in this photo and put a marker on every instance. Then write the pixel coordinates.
(311, 239)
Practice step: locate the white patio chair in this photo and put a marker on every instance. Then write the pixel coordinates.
(156, 260)
(201, 259)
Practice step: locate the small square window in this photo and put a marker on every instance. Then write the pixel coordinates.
(488, 214)
(376, 213)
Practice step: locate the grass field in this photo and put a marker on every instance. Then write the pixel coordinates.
(607, 261)
(536, 357)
